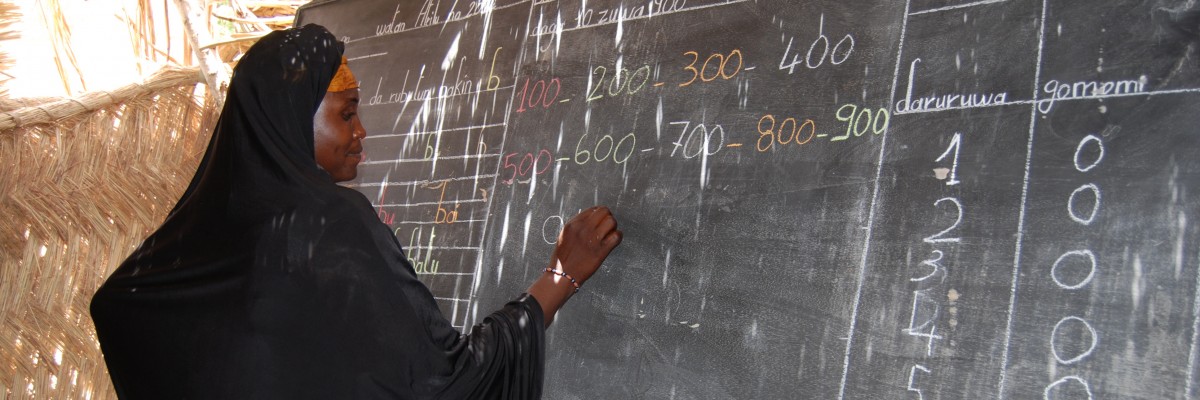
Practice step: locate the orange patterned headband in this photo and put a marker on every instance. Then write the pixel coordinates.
(343, 79)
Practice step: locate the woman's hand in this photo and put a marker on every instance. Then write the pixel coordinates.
(583, 244)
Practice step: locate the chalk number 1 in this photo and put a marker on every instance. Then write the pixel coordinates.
(955, 144)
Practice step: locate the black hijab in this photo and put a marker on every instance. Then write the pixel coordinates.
(267, 280)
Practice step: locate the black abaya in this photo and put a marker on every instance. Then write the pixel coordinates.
(267, 280)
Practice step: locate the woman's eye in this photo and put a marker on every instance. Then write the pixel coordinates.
(346, 117)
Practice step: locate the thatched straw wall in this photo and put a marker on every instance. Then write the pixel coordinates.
(82, 182)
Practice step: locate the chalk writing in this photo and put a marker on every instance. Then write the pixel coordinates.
(1089, 259)
(958, 209)
(390, 27)
(926, 302)
(621, 82)
(547, 28)
(428, 14)
(935, 267)
(551, 228)
(1054, 337)
(922, 323)
(1063, 91)
(1095, 196)
(480, 6)
(1079, 153)
(696, 60)
(588, 17)
(912, 378)
(1077, 381)
(693, 144)
(385, 216)
(427, 265)
(943, 101)
(789, 131)
(619, 152)
(836, 54)
(493, 81)
(539, 96)
(721, 68)
(955, 143)
(875, 122)
(443, 215)
(530, 163)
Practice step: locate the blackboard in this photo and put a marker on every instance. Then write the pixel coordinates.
(825, 199)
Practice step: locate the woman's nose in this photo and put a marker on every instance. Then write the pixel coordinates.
(359, 131)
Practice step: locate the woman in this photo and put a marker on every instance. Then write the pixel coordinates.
(267, 280)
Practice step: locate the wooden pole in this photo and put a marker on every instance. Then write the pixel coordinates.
(196, 27)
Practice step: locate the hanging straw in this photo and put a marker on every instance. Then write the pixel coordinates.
(168, 77)
(82, 182)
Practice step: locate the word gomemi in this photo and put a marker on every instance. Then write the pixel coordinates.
(1062, 91)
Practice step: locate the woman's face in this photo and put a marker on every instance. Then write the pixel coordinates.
(338, 134)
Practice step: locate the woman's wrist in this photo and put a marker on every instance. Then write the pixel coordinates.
(560, 276)
(552, 292)
(560, 287)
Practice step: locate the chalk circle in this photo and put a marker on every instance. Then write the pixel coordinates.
(833, 56)
(553, 234)
(1091, 216)
(706, 142)
(1079, 151)
(1091, 260)
(1086, 388)
(1054, 340)
(688, 142)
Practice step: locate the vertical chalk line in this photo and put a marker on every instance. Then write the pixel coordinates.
(899, 54)
(862, 265)
(1016, 273)
(504, 142)
(1191, 367)
(487, 215)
